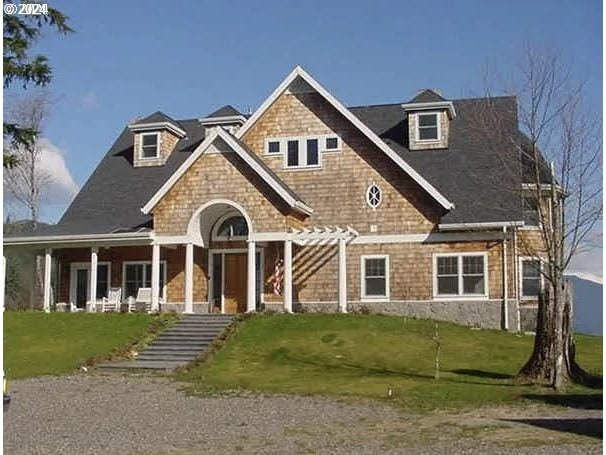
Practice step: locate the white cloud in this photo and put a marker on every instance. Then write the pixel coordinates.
(90, 101)
(62, 187)
(59, 187)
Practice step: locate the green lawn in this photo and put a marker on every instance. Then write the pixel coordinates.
(364, 356)
(37, 343)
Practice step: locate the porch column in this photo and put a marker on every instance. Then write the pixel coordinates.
(251, 296)
(189, 278)
(155, 278)
(342, 277)
(47, 280)
(3, 282)
(287, 276)
(93, 278)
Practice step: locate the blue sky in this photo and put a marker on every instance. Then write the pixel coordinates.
(188, 58)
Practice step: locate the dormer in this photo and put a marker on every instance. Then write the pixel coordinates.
(429, 117)
(226, 117)
(155, 137)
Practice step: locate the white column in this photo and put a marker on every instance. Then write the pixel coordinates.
(287, 291)
(155, 278)
(189, 278)
(342, 277)
(92, 281)
(47, 280)
(505, 282)
(3, 282)
(251, 296)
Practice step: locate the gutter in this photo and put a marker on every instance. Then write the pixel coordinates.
(479, 226)
(77, 238)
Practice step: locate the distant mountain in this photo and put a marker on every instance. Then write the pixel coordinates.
(588, 303)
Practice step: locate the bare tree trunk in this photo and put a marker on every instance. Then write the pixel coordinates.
(538, 366)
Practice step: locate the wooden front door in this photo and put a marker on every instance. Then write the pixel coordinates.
(235, 283)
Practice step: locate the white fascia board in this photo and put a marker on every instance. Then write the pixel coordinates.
(475, 226)
(78, 238)
(452, 113)
(179, 172)
(297, 205)
(269, 179)
(158, 126)
(221, 120)
(300, 72)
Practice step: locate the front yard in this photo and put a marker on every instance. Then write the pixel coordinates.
(37, 343)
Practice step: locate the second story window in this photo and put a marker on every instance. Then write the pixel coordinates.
(428, 128)
(302, 153)
(150, 145)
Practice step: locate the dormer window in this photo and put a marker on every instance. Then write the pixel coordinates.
(428, 128)
(150, 146)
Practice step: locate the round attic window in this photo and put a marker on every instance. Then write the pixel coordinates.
(373, 196)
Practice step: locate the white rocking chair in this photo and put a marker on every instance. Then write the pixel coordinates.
(144, 297)
(112, 301)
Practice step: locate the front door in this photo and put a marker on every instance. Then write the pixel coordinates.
(81, 287)
(235, 283)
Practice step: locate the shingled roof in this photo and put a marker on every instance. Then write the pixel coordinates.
(427, 96)
(225, 111)
(469, 173)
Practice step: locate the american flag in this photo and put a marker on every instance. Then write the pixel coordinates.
(278, 277)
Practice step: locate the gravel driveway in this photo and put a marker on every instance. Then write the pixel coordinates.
(125, 414)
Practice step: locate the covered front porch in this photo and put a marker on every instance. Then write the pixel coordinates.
(221, 266)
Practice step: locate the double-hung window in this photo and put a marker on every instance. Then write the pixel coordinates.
(531, 278)
(375, 277)
(302, 153)
(150, 145)
(428, 128)
(139, 275)
(461, 275)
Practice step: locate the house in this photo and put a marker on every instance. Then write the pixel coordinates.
(308, 205)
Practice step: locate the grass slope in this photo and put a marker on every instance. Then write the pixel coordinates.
(364, 356)
(37, 343)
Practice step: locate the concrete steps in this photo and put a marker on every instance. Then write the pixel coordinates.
(178, 345)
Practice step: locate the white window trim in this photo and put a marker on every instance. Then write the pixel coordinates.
(438, 120)
(217, 225)
(266, 146)
(373, 298)
(283, 141)
(302, 153)
(460, 295)
(126, 263)
(74, 266)
(374, 207)
(521, 260)
(158, 145)
(323, 148)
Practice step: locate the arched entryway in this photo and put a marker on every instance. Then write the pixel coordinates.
(234, 260)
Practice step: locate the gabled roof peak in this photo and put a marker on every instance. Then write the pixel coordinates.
(225, 111)
(427, 95)
(156, 121)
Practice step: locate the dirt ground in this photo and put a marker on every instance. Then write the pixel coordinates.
(125, 414)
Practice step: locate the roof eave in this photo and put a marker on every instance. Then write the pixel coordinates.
(78, 238)
(158, 126)
(431, 105)
(479, 226)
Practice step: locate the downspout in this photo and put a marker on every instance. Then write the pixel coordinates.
(505, 290)
(516, 276)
